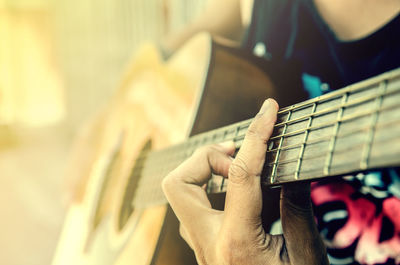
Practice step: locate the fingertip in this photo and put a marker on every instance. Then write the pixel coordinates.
(268, 106)
(274, 103)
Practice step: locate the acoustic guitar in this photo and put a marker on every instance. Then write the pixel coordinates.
(120, 216)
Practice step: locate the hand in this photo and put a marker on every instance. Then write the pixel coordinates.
(236, 235)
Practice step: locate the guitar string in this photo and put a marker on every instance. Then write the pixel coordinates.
(336, 107)
(345, 118)
(317, 140)
(214, 187)
(367, 143)
(308, 158)
(293, 146)
(159, 173)
(380, 127)
(336, 152)
(342, 151)
(154, 192)
(355, 167)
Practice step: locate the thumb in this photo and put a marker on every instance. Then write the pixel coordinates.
(243, 197)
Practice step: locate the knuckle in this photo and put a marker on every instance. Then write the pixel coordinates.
(252, 132)
(238, 171)
(258, 116)
(260, 129)
(257, 135)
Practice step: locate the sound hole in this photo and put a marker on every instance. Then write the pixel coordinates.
(127, 202)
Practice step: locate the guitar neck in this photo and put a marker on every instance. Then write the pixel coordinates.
(353, 129)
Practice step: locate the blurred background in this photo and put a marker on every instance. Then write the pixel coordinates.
(60, 62)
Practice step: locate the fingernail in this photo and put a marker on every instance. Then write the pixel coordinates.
(265, 106)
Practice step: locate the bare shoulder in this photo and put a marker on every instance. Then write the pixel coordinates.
(355, 19)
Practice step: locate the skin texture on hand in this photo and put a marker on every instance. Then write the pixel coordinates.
(236, 235)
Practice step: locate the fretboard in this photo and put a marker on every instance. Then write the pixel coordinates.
(353, 129)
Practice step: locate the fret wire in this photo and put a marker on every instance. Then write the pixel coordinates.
(222, 183)
(318, 155)
(301, 153)
(354, 116)
(389, 139)
(374, 119)
(335, 108)
(275, 167)
(237, 128)
(285, 175)
(356, 164)
(208, 187)
(216, 188)
(291, 174)
(329, 123)
(332, 143)
(349, 89)
(235, 139)
(321, 139)
(225, 134)
(225, 131)
(294, 146)
(239, 138)
(243, 125)
(324, 138)
(221, 187)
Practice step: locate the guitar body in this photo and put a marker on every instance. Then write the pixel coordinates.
(204, 86)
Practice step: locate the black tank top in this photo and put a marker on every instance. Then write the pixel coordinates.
(285, 31)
